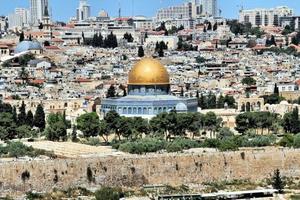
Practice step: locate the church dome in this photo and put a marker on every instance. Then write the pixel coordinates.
(27, 46)
(148, 71)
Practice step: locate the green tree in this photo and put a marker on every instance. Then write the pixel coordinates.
(39, 118)
(161, 52)
(22, 37)
(141, 52)
(211, 101)
(287, 30)
(4, 133)
(56, 129)
(112, 118)
(29, 118)
(74, 134)
(104, 130)
(215, 27)
(276, 89)
(89, 124)
(221, 102)
(22, 114)
(248, 81)
(209, 26)
(111, 93)
(23, 131)
(277, 181)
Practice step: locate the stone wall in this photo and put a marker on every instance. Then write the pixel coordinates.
(134, 171)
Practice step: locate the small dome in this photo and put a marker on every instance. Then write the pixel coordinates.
(27, 46)
(148, 71)
(103, 14)
(181, 107)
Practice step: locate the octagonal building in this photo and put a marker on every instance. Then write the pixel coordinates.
(148, 93)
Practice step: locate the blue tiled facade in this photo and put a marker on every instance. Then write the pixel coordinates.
(147, 102)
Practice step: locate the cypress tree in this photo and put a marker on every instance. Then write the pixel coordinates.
(74, 134)
(22, 37)
(14, 114)
(215, 27)
(39, 118)
(276, 89)
(141, 52)
(29, 118)
(22, 114)
(277, 182)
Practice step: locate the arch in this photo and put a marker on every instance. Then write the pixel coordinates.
(134, 110)
(259, 106)
(140, 111)
(243, 107)
(248, 106)
(145, 111)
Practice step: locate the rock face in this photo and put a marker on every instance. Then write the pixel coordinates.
(135, 171)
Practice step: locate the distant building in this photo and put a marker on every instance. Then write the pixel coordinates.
(189, 10)
(143, 23)
(209, 8)
(83, 11)
(18, 19)
(3, 23)
(292, 21)
(37, 9)
(265, 17)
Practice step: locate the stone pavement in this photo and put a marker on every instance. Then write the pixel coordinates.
(73, 150)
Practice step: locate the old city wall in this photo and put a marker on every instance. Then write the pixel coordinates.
(134, 171)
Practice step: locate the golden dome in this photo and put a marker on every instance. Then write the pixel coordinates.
(148, 71)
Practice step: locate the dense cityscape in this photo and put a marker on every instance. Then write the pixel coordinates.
(183, 105)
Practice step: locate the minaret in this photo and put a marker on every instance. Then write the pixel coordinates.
(46, 20)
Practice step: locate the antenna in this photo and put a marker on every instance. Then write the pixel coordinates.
(119, 9)
(132, 1)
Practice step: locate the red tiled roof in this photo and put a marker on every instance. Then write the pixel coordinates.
(52, 48)
(37, 81)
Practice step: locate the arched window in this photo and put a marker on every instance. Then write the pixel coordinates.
(139, 111)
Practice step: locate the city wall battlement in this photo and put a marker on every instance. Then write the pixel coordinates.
(135, 171)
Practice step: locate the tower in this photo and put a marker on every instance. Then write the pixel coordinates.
(37, 9)
(46, 20)
(83, 11)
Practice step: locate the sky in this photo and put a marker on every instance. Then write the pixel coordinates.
(62, 10)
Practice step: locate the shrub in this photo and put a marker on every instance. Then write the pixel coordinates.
(144, 145)
(174, 147)
(211, 143)
(287, 140)
(92, 141)
(108, 193)
(228, 145)
(297, 141)
(225, 132)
